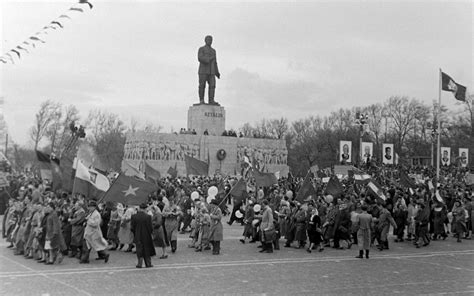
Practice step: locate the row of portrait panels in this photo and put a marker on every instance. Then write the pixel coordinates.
(367, 151)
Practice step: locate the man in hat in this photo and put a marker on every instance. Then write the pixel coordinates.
(93, 235)
(142, 229)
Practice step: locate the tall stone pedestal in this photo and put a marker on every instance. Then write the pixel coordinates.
(206, 117)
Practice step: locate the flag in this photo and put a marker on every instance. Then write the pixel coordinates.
(362, 178)
(129, 170)
(151, 173)
(195, 166)
(334, 187)
(173, 172)
(438, 197)
(375, 188)
(406, 181)
(448, 84)
(307, 189)
(43, 157)
(51, 164)
(89, 182)
(67, 173)
(277, 175)
(264, 179)
(470, 179)
(239, 190)
(129, 190)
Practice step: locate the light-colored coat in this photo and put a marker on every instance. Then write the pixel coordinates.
(93, 233)
(364, 232)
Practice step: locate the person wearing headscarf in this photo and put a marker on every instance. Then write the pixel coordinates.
(216, 231)
(142, 229)
(314, 230)
(204, 229)
(158, 234)
(125, 235)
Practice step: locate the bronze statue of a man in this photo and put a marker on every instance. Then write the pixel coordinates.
(208, 70)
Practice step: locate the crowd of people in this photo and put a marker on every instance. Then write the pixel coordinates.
(47, 226)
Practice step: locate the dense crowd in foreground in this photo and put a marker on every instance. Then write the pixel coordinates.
(46, 226)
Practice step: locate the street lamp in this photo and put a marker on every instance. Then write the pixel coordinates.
(361, 119)
(434, 136)
(385, 114)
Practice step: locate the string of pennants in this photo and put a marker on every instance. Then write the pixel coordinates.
(32, 41)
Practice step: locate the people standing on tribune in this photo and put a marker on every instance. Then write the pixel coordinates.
(208, 71)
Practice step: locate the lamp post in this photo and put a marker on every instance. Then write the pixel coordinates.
(361, 119)
(434, 135)
(385, 115)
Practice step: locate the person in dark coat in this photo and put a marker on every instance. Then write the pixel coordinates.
(142, 229)
(314, 230)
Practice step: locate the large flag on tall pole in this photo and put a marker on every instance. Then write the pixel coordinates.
(150, 172)
(334, 187)
(264, 179)
(129, 190)
(89, 182)
(307, 189)
(448, 84)
(239, 190)
(173, 171)
(195, 166)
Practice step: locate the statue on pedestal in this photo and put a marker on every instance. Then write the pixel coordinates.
(208, 71)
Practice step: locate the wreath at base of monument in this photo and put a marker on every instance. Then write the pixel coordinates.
(221, 154)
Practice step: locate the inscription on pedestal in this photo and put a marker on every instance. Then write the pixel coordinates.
(206, 117)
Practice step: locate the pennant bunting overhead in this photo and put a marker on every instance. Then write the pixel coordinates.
(56, 24)
(448, 84)
(129, 191)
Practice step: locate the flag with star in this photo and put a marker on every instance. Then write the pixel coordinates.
(129, 191)
(448, 84)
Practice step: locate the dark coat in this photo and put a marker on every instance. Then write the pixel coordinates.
(142, 230)
(314, 230)
(77, 227)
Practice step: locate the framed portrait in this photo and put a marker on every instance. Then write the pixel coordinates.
(388, 154)
(345, 151)
(464, 157)
(445, 155)
(367, 151)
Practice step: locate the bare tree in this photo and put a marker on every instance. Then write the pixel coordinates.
(403, 113)
(46, 115)
(106, 134)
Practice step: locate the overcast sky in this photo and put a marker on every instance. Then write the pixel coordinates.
(139, 58)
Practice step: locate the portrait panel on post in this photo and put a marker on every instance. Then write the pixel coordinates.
(345, 149)
(445, 155)
(464, 157)
(387, 154)
(367, 151)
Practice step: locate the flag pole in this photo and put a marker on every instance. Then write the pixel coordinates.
(438, 157)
